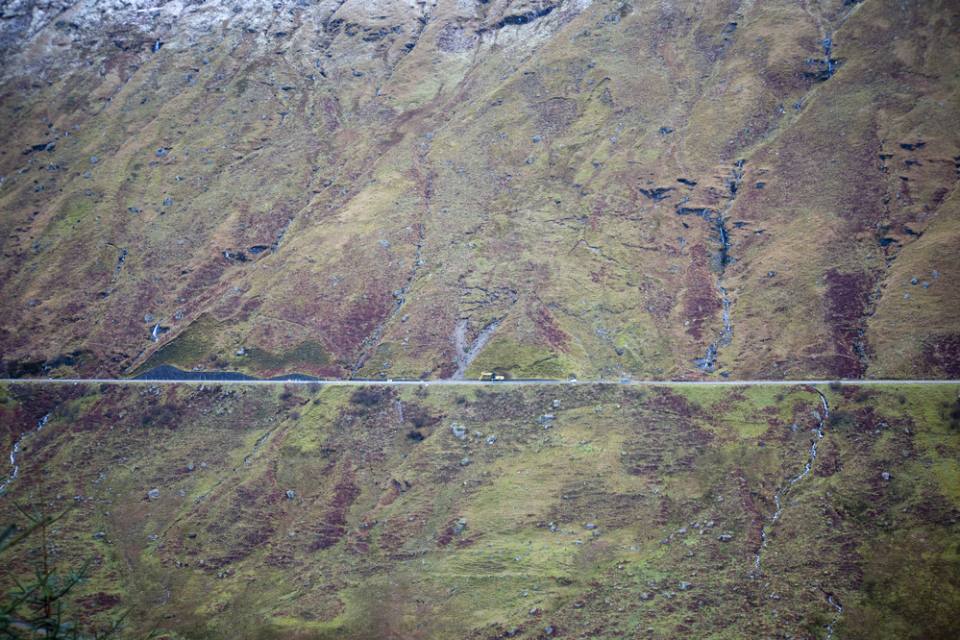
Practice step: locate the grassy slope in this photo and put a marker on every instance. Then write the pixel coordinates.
(368, 547)
(490, 177)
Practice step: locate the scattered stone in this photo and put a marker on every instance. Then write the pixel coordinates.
(153, 494)
(685, 586)
(546, 418)
(148, 318)
(646, 595)
(914, 280)
(491, 439)
(535, 611)
(549, 630)
(536, 139)
(465, 461)
(99, 535)
(291, 494)
(556, 403)
(241, 351)
(162, 152)
(665, 130)
(886, 475)
(459, 431)
(168, 202)
(724, 537)
(590, 526)
(94, 159)
(134, 210)
(460, 526)
(236, 256)
(771, 274)
(925, 284)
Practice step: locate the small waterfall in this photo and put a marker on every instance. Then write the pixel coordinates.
(15, 454)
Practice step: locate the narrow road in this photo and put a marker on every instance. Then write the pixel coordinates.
(484, 383)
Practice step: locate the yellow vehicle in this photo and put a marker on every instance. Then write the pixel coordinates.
(490, 376)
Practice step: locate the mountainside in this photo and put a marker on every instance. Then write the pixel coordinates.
(574, 511)
(632, 220)
(432, 189)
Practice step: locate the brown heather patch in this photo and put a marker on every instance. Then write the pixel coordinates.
(362, 316)
(700, 300)
(942, 353)
(844, 306)
(549, 329)
(394, 532)
(665, 400)
(334, 521)
(829, 461)
(207, 275)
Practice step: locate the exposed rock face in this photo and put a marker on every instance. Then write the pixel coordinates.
(344, 187)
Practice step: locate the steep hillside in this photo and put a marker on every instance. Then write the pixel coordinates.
(422, 189)
(565, 511)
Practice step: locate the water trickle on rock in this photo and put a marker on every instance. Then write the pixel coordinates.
(15, 454)
(718, 219)
(781, 493)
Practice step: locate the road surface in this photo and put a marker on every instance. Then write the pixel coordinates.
(476, 383)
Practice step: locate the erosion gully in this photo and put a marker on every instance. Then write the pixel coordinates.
(465, 356)
(778, 499)
(718, 220)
